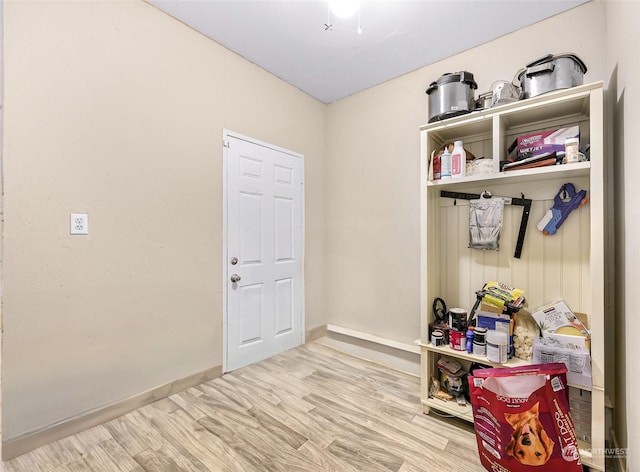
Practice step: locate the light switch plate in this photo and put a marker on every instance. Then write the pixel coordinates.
(79, 223)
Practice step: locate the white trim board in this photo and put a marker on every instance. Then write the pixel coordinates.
(374, 339)
(387, 352)
(16, 446)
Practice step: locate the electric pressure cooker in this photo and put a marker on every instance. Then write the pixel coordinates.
(451, 95)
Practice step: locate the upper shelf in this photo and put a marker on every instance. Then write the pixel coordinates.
(489, 132)
(565, 102)
(565, 171)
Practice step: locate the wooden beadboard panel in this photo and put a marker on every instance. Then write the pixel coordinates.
(14, 447)
(551, 267)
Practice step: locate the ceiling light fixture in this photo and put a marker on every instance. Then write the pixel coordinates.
(344, 8)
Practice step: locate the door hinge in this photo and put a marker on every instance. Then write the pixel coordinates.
(225, 144)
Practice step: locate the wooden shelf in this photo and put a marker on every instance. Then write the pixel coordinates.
(569, 265)
(465, 356)
(450, 407)
(447, 351)
(566, 102)
(566, 171)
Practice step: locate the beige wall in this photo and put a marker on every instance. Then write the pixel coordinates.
(117, 110)
(623, 67)
(373, 170)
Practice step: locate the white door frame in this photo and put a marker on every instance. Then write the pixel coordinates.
(225, 253)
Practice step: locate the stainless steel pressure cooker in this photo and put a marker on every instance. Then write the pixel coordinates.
(551, 72)
(451, 95)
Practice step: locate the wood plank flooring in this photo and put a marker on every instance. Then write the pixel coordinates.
(309, 409)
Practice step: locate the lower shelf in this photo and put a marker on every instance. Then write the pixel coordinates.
(451, 408)
(466, 413)
(465, 356)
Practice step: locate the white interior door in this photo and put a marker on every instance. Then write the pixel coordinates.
(263, 258)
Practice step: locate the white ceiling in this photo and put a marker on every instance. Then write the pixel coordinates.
(288, 37)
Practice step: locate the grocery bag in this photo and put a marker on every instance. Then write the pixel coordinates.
(522, 419)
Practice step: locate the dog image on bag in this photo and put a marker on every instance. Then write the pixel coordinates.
(530, 444)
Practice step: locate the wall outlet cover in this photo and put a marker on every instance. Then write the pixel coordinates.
(79, 223)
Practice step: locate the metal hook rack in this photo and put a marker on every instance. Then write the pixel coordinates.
(523, 202)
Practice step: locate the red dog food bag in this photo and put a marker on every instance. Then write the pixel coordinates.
(522, 419)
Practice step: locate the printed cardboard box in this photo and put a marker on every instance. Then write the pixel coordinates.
(577, 360)
(558, 322)
(537, 144)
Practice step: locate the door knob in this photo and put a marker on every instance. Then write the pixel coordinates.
(235, 278)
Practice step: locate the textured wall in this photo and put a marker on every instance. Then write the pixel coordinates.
(116, 109)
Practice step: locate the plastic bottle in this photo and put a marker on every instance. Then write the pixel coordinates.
(445, 165)
(469, 340)
(571, 148)
(458, 160)
(497, 346)
(436, 167)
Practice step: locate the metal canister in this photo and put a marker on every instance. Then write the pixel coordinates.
(480, 341)
(437, 338)
(457, 319)
(551, 72)
(457, 340)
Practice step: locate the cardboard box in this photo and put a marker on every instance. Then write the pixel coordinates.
(499, 322)
(490, 308)
(580, 402)
(558, 322)
(536, 144)
(577, 360)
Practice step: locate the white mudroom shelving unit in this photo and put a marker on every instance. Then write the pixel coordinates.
(568, 265)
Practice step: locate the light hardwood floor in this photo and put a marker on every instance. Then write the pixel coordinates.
(309, 409)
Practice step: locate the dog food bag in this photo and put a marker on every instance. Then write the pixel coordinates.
(522, 419)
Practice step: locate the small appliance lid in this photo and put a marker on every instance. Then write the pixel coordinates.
(448, 78)
(552, 57)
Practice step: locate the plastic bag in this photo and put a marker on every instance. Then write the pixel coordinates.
(485, 223)
(522, 419)
(525, 331)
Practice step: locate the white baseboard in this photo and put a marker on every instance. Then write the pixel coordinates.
(315, 333)
(374, 339)
(16, 446)
(395, 354)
